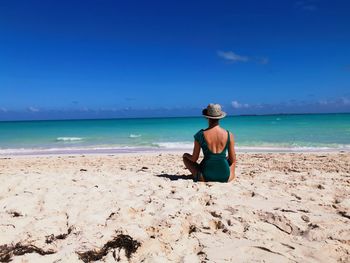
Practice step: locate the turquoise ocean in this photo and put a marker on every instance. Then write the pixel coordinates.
(308, 132)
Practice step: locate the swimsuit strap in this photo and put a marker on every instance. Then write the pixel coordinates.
(228, 139)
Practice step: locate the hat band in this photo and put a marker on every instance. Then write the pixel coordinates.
(214, 114)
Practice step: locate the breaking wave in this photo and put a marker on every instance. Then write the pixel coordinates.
(68, 139)
(134, 135)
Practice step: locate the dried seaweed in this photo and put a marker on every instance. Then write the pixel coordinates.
(192, 229)
(121, 241)
(344, 214)
(268, 250)
(51, 238)
(8, 251)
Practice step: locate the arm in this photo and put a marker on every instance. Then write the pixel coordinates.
(232, 158)
(195, 155)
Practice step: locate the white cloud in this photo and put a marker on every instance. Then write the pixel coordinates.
(234, 57)
(33, 109)
(231, 56)
(323, 102)
(84, 109)
(236, 105)
(345, 101)
(342, 101)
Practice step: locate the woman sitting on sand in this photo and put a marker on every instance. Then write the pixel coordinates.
(214, 141)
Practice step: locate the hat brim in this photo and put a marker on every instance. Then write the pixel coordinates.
(205, 114)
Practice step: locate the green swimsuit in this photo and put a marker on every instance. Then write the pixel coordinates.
(215, 166)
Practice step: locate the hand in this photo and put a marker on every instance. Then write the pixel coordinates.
(232, 177)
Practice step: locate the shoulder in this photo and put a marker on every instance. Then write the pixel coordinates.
(199, 132)
(231, 135)
(232, 138)
(199, 135)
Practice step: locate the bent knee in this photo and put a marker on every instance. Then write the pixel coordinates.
(185, 156)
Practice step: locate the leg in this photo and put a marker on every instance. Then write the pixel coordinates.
(232, 171)
(193, 167)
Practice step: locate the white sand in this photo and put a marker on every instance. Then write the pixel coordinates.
(288, 207)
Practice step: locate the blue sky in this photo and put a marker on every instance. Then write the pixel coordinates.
(100, 59)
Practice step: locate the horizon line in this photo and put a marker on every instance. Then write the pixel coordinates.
(173, 117)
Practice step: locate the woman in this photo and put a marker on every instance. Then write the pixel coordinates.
(214, 141)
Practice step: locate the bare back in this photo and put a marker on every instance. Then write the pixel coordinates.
(216, 139)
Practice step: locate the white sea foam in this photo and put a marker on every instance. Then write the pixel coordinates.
(166, 146)
(292, 148)
(134, 135)
(70, 150)
(265, 148)
(174, 145)
(260, 148)
(68, 139)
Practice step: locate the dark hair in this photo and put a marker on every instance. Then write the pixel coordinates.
(213, 121)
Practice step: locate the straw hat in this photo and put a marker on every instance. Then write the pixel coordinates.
(213, 111)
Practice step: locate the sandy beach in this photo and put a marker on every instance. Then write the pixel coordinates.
(283, 207)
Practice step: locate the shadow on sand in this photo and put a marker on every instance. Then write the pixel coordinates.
(174, 177)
